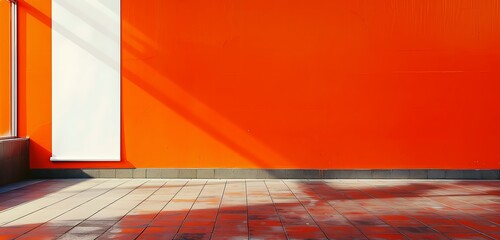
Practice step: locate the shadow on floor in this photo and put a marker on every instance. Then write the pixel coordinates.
(251, 209)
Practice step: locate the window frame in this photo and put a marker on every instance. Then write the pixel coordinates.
(13, 62)
(13, 71)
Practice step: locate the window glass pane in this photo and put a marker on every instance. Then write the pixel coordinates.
(5, 81)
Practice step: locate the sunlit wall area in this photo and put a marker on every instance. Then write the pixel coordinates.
(5, 76)
(328, 84)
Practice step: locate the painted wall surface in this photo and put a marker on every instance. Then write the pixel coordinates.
(290, 84)
(5, 95)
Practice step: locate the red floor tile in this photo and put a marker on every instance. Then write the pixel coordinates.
(263, 209)
(386, 236)
(377, 229)
(467, 236)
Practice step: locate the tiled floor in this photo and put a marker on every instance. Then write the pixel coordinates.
(250, 209)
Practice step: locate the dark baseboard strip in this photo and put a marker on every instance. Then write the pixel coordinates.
(267, 173)
(14, 160)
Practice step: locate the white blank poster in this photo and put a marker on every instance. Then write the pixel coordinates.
(85, 80)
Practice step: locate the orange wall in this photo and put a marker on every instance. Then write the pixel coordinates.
(291, 84)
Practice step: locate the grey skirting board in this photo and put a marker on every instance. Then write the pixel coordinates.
(204, 173)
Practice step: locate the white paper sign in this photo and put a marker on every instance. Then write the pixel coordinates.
(85, 80)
